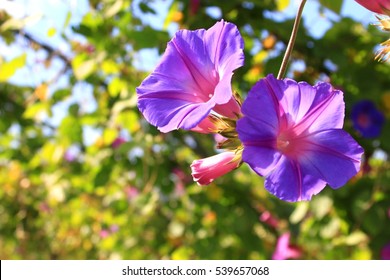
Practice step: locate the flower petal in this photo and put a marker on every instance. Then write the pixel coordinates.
(376, 6)
(260, 111)
(175, 114)
(205, 170)
(289, 182)
(326, 111)
(225, 47)
(332, 155)
(261, 159)
(206, 126)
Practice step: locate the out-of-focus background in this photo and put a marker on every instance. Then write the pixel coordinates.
(84, 176)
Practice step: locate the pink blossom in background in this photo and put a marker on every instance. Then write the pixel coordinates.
(104, 233)
(385, 252)
(118, 142)
(204, 171)
(284, 250)
(267, 218)
(69, 156)
(180, 179)
(114, 228)
(194, 6)
(131, 192)
(72, 153)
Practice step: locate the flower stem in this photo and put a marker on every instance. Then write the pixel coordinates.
(291, 42)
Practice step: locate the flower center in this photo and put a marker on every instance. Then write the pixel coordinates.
(364, 120)
(285, 143)
(282, 144)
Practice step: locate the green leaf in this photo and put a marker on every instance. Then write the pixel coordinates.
(8, 69)
(70, 130)
(334, 5)
(67, 20)
(60, 94)
(82, 68)
(147, 38)
(129, 120)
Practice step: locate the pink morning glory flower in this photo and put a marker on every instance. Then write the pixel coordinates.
(385, 252)
(204, 171)
(292, 135)
(284, 250)
(193, 79)
(376, 6)
(118, 142)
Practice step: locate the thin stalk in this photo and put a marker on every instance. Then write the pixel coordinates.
(291, 42)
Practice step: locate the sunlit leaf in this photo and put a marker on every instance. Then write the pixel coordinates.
(299, 212)
(109, 135)
(114, 8)
(51, 32)
(8, 69)
(116, 86)
(129, 120)
(82, 68)
(16, 24)
(70, 130)
(282, 4)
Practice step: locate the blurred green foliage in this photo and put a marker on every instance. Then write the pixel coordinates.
(129, 194)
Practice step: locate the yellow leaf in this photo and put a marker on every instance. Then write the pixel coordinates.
(51, 32)
(182, 253)
(282, 4)
(109, 135)
(8, 69)
(110, 67)
(172, 13)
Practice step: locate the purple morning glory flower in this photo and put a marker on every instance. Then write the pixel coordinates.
(193, 78)
(292, 134)
(367, 119)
